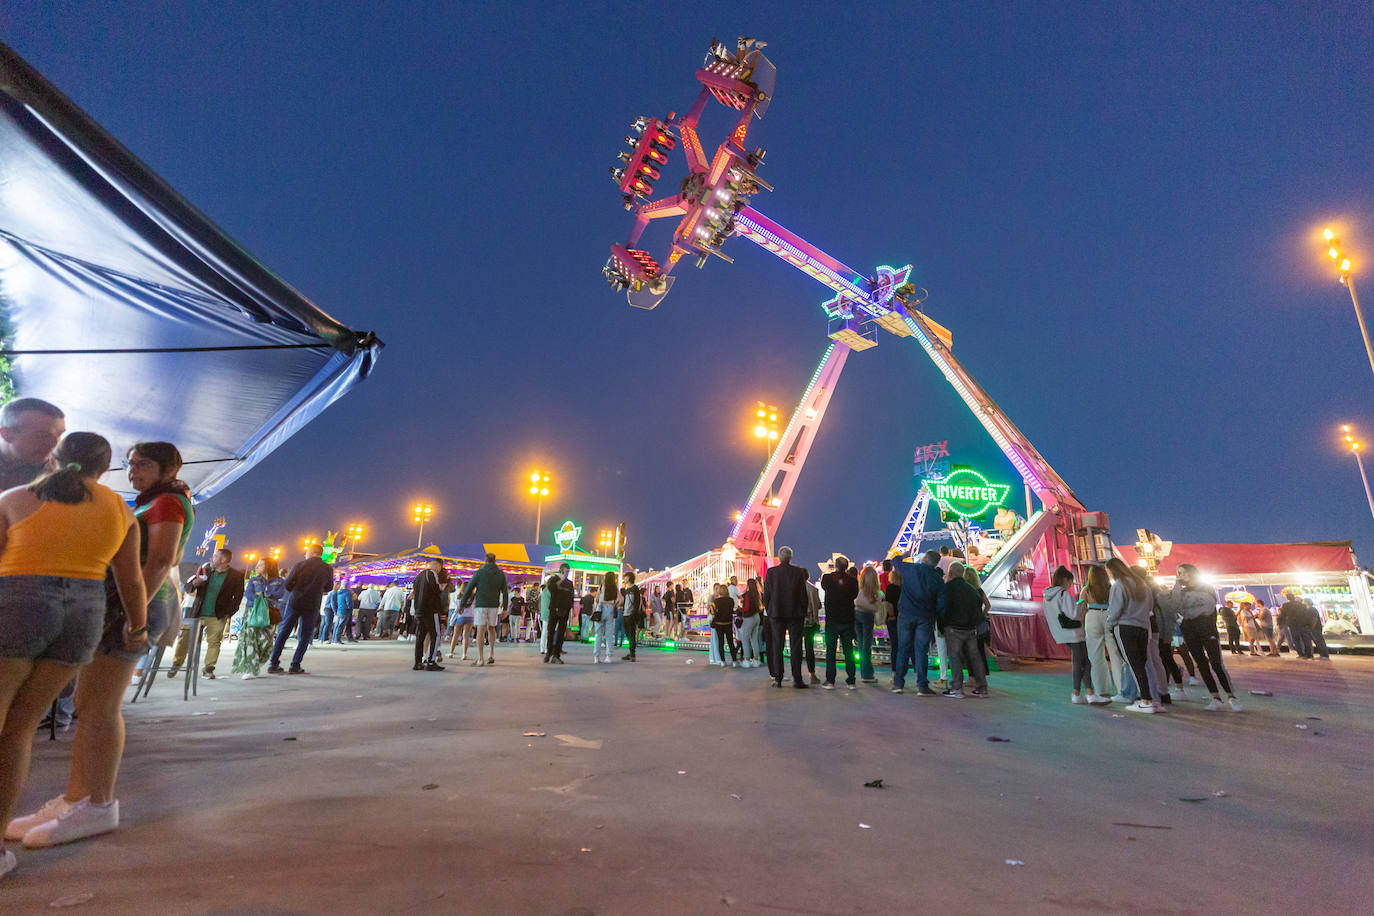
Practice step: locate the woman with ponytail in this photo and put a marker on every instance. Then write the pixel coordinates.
(58, 536)
(165, 517)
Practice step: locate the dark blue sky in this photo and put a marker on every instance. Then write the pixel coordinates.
(1113, 207)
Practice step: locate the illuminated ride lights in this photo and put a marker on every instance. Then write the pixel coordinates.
(713, 204)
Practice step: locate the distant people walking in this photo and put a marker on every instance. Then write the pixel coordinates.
(1196, 603)
(561, 597)
(1065, 618)
(867, 607)
(1228, 616)
(58, 536)
(343, 615)
(1130, 606)
(393, 599)
(262, 591)
(218, 589)
(369, 601)
(921, 588)
(307, 584)
(490, 594)
(430, 601)
(959, 610)
(602, 622)
(750, 613)
(840, 587)
(785, 603)
(1294, 616)
(723, 625)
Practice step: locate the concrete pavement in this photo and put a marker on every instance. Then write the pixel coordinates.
(662, 787)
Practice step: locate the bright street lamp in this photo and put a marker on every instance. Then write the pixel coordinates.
(422, 513)
(539, 488)
(276, 553)
(1337, 254)
(607, 540)
(1355, 445)
(352, 535)
(308, 542)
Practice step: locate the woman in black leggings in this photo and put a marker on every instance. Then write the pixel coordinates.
(1197, 603)
(1129, 608)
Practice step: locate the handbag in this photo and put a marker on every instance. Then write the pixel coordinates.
(257, 616)
(884, 613)
(1069, 623)
(596, 616)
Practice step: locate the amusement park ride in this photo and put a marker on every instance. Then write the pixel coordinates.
(712, 204)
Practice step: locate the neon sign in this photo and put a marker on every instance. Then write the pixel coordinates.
(967, 493)
(567, 536)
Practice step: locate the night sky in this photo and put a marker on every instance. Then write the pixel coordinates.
(1114, 208)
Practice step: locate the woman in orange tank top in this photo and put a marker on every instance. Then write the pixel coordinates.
(58, 535)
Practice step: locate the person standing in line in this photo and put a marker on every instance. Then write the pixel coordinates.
(686, 603)
(368, 603)
(562, 594)
(1264, 627)
(751, 604)
(218, 589)
(1196, 603)
(1228, 616)
(307, 584)
(785, 603)
(59, 534)
(393, 599)
(959, 608)
(1130, 606)
(1293, 617)
(490, 593)
(811, 625)
(531, 624)
(921, 587)
(545, 599)
(840, 588)
(892, 594)
(984, 620)
(343, 615)
(460, 620)
(602, 617)
(1065, 618)
(1104, 656)
(722, 625)
(866, 608)
(263, 590)
(632, 612)
(1315, 629)
(656, 626)
(165, 519)
(429, 600)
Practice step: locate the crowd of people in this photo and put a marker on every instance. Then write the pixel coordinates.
(97, 580)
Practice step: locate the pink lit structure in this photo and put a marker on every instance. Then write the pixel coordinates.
(713, 203)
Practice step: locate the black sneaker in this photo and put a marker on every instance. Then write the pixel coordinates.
(558, 659)
(418, 668)
(952, 694)
(208, 674)
(979, 691)
(801, 685)
(434, 666)
(546, 658)
(295, 671)
(777, 682)
(276, 669)
(926, 692)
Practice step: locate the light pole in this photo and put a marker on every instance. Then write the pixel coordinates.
(1354, 444)
(354, 534)
(766, 427)
(422, 513)
(539, 488)
(308, 542)
(1334, 252)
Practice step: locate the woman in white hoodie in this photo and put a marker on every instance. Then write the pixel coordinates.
(1065, 619)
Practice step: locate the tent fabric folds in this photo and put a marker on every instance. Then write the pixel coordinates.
(126, 307)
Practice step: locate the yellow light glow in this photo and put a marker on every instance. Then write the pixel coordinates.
(534, 478)
(1345, 427)
(1328, 235)
(772, 434)
(534, 491)
(1333, 252)
(760, 413)
(773, 418)
(1345, 266)
(760, 431)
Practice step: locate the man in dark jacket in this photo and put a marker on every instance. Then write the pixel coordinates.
(841, 587)
(218, 588)
(921, 588)
(1293, 615)
(430, 602)
(784, 601)
(307, 584)
(561, 598)
(959, 609)
(490, 593)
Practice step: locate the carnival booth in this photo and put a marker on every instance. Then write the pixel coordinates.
(521, 563)
(1324, 572)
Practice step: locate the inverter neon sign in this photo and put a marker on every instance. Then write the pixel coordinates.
(967, 493)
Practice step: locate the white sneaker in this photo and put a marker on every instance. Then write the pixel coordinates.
(1142, 706)
(1235, 705)
(1214, 705)
(81, 820)
(1078, 699)
(734, 664)
(248, 677)
(1120, 699)
(8, 863)
(1098, 699)
(22, 825)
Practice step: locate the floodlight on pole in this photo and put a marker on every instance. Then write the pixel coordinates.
(539, 488)
(421, 513)
(1355, 447)
(1336, 253)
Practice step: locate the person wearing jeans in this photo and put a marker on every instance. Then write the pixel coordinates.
(307, 584)
(751, 604)
(866, 608)
(632, 613)
(921, 588)
(959, 609)
(1129, 608)
(603, 620)
(841, 588)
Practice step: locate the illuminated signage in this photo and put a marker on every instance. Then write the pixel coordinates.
(566, 537)
(967, 493)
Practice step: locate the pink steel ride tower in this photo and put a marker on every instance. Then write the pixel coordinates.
(713, 203)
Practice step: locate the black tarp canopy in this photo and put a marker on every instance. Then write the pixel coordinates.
(125, 306)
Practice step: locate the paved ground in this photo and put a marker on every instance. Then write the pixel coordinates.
(668, 788)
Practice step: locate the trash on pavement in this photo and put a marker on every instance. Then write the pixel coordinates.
(1016, 862)
(430, 785)
(1002, 740)
(875, 784)
(72, 900)
(866, 826)
(534, 734)
(593, 744)
(1262, 693)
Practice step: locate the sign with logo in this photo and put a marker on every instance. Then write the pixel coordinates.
(566, 537)
(932, 460)
(967, 493)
